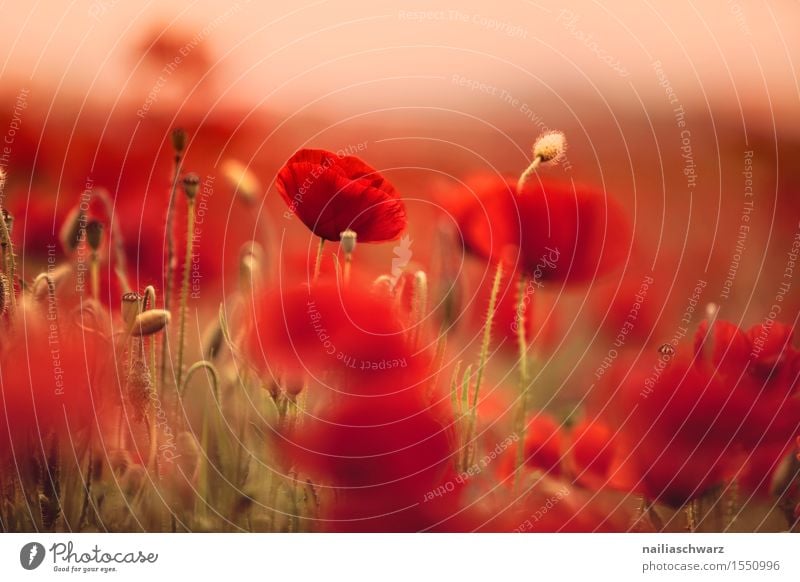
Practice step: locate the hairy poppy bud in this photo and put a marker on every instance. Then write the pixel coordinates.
(348, 238)
(94, 234)
(242, 180)
(150, 322)
(70, 233)
(550, 147)
(179, 140)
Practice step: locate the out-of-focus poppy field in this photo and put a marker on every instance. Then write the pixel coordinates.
(336, 268)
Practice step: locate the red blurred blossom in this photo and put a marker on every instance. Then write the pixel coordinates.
(132, 158)
(591, 452)
(558, 232)
(383, 455)
(328, 327)
(52, 376)
(331, 193)
(691, 416)
(543, 446)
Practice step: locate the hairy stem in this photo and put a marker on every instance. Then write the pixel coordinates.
(169, 273)
(187, 265)
(519, 423)
(484, 355)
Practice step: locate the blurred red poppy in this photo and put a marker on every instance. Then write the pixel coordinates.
(51, 375)
(542, 447)
(385, 456)
(560, 233)
(330, 328)
(692, 415)
(331, 193)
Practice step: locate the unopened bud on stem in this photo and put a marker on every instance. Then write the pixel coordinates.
(348, 241)
(150, 322)
(179, 140)
(548, 148)
(94, 234)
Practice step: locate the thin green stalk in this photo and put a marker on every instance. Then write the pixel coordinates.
(524, 380)
(318, 262)
(94, 266)
(203, 364)
(484, 355)
(187, 266)
(171, 260)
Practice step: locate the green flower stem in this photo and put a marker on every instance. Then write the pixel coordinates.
(187, 265)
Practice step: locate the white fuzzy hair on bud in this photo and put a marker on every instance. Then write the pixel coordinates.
(550, 147)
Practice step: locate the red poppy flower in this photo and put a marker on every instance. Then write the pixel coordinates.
(694, 414)
(331, 328)
(383, 455)
(50, 375)
(591, 452)
(559, 233)
(542, 447)
(332, 193)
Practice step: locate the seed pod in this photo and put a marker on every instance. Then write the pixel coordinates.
(191, 182)
(132, 304)
(666, 350)
(150, 322)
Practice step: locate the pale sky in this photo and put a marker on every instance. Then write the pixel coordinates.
(341, 58)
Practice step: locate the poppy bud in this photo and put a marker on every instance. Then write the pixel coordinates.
(191, 182)
(550, 147)
(212, 342)
(70, 233)
(41, 284)
(348, 241)
(248, 272)
(242, 180)
(94, 234)
(150, 322)
(179, 140)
